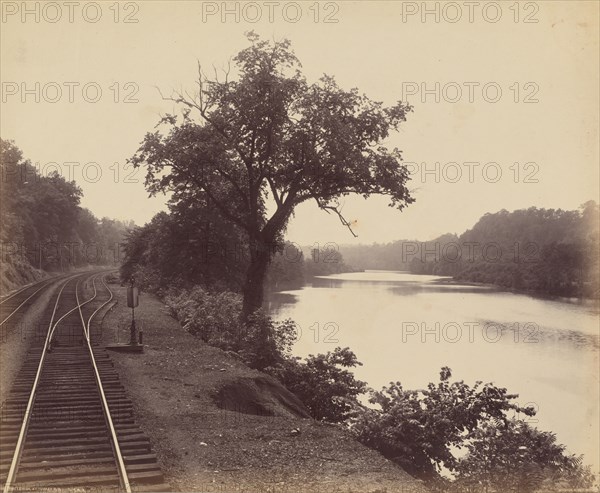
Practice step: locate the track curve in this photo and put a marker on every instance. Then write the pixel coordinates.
(67, 423)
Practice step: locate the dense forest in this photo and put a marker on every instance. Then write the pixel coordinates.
(43, 226)
(547, 251)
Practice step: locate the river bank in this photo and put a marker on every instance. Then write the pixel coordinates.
(406, 327)
(451, 281)
(177, 386)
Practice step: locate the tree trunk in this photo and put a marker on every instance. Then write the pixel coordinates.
(260, 256)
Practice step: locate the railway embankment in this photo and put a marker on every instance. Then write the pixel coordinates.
(218, 426)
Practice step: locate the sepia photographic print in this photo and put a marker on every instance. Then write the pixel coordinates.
(300, 246)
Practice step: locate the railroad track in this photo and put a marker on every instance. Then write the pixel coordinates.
(15, 304)
(67, 423)
(17, 292)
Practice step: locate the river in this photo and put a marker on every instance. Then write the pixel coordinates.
(405, 327)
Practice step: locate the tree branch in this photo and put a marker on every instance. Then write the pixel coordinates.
(334, 209)
(274, 191)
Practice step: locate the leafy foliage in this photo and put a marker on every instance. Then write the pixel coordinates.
(544, 250)
(287, 268)
(324, 383)
(183, 249)
(418, 428)
(267, 136)
(210, 316)
(215, 318)
(325, 261)
(42, 223)
(513, 456)
(35, 209)
(172, 250)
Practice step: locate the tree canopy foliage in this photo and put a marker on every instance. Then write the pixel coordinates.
(184, 248)
(42, 222)
(261, 140)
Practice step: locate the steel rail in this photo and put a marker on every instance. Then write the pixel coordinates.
(124, 479)
(101, 306)
(74, 308)
(30, 285)
(47, 280)
(26, 300)
(25, 425)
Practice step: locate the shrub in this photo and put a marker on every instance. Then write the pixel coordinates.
(265, 341)
(514, 456)
(215, 317)
(418, 428)
(146, 278)
(324, 384)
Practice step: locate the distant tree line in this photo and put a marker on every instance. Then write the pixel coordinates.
(547, 251)
(42, 224)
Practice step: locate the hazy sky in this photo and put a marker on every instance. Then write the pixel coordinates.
(545, 117)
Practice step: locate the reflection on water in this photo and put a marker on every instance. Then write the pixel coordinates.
(406, 327)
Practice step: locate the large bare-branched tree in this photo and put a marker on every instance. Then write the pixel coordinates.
(260, 132)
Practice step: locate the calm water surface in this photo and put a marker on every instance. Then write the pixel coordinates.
(406, 327)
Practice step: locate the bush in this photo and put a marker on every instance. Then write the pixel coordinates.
(418, 429)
(514, 456)
(146, 278)
(265, 342)
(324, 384)
(421, 430)
(215, 317)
